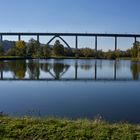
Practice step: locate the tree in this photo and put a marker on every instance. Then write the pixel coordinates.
(87, 52)
(117, 53)
(68, 52)
(20, 48)
(135, 49)
(1, 49)
(110, 54)
(46, 51)
(58, 49)
(77, 53)
(33, 48)
(99, 54)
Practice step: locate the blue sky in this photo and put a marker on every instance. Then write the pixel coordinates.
(110, 16)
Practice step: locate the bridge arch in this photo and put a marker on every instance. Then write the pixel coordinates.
(60, 39)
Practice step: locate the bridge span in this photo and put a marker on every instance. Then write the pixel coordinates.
(76, 35)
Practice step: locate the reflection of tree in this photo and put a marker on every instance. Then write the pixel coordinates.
(33, 69)
(45, 67)
(18, 68)
(60, 69)
(86, 67)
(135, 69)
(2, 65)
(1, 69)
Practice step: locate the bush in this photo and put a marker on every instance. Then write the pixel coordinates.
(51, 128)
(86, 52)
(68, 52)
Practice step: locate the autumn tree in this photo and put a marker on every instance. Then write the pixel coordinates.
(20, 48)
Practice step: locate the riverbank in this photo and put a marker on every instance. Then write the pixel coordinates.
(56, 57)
(52, 128)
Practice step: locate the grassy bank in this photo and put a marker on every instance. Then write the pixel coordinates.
(59, 129)
(57, 57)
(135, 59)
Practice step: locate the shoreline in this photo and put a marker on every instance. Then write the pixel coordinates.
(62, 57)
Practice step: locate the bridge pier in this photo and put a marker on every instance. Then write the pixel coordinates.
(76, 42)
(135, 39)
(96, 43)
(19, 37)
(116, 43)
(1, 38)
(37, 38)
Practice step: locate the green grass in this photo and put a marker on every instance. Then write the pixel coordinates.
(135, 59)
(124, 58)
(11, 57)
(64, 129)
(35, 57)
(62, 57)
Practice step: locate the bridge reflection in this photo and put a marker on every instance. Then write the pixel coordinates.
(57, 71)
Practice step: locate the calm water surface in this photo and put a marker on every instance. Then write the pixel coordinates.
(71, 88)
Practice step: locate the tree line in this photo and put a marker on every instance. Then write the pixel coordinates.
(34, 49)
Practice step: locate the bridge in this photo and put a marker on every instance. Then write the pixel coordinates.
(76, 35)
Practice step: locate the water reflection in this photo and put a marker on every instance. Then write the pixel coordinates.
(70, 70)
(18, 68)
(71, 88)
(33, 69)
(135, 69)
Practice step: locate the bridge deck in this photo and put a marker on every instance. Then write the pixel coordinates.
(68, 34)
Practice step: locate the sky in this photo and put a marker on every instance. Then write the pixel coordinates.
(90, 16)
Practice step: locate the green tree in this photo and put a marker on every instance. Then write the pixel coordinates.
(58, 48)
(87, 52)
(135, 49)
(68, 52)
(1, 49)
(99, 54)
(77, 53)
(33, 48)
(46, 51)
(117, 53)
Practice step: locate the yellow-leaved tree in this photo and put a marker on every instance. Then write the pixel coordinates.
(20, 48)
